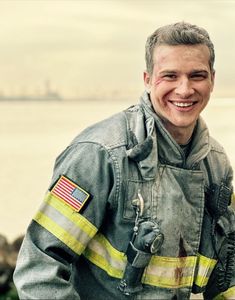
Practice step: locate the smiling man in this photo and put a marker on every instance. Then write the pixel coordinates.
(179, 85)
(139, 204)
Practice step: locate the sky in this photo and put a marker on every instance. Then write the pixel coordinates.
(95, 48)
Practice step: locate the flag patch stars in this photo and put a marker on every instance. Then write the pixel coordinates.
(70, 193)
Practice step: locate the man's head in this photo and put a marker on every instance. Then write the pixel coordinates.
(179, 76)
(180, 33)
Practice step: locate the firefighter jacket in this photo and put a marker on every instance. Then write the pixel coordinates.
(75, 246)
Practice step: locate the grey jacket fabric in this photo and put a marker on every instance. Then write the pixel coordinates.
(81, 255)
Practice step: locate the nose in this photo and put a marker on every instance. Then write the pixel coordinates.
(184, 88)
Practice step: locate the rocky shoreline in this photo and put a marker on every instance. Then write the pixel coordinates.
(8, 257)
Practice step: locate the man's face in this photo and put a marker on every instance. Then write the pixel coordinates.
(180, 85)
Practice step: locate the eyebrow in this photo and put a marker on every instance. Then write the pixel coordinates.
(200, 71)
(196, 71)
(168, 71)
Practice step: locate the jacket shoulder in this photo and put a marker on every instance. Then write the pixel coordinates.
(114, 131)
(216, 146)
(219, 162)
(110, 132)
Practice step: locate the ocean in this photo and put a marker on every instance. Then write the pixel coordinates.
(34, 133)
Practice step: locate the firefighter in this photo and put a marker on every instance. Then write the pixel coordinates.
(139, 204)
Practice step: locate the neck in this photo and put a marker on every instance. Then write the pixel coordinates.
(180, 134)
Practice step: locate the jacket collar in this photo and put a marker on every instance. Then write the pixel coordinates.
(154, 141)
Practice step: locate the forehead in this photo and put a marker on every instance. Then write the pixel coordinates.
(181, 55)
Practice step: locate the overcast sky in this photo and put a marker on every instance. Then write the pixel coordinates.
(94, 47)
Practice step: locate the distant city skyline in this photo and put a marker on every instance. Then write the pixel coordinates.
(96, 48)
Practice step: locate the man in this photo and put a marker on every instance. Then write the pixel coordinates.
(138, 207)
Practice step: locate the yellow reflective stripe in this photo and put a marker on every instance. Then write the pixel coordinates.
(227, 295)
(205, 266)
(100, 252)
(72, 215)
(161, 261)
(170, 272)
(66, 224)
(59, 232)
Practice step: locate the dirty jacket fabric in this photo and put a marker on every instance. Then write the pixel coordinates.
(79, 253)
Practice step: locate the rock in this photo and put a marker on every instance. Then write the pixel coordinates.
(8, 256)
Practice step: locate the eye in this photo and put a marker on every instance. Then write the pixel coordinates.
(198, 76)
(169, 76)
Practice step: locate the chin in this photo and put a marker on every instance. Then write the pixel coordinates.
(184, 123)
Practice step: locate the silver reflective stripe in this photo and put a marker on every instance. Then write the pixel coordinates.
(205, 266)
(66, 224)
(107, 252)
(170, 272)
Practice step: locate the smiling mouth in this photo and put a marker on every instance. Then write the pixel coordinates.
(183, 104)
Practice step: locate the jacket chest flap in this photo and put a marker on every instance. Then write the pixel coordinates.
(175, 200)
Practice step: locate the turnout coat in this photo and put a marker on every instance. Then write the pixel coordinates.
(75, 246)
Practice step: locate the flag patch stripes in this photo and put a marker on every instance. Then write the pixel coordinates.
(70, 193)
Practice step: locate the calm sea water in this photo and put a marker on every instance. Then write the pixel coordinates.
(34, 133)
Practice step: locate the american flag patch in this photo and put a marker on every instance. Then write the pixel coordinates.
(70, 193)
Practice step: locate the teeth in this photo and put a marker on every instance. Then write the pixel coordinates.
(183, 104)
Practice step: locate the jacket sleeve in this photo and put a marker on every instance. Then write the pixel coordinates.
(224, 272)
(59, 233)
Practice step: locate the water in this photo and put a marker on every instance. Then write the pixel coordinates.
(34, 133)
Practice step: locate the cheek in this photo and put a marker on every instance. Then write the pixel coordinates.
(206, 90)
(158, 81)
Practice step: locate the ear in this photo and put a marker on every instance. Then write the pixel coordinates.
(147, 81)
(212, 80)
